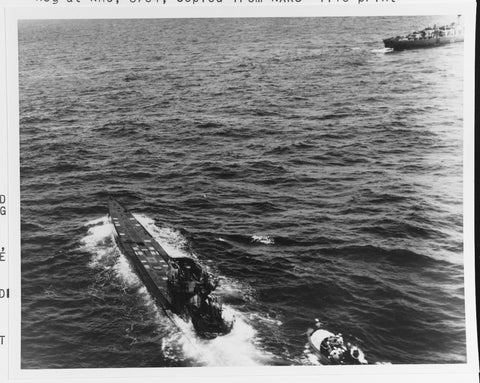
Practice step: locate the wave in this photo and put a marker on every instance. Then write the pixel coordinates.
(268, 239)
(400, 257)
(123, 128)
(34, 120)
(207, 125)
(64, 167)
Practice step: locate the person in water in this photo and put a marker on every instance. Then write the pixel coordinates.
(355, 354)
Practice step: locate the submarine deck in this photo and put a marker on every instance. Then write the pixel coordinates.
(149, 258)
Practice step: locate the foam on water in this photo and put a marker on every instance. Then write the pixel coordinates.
(232, 288)
(308, 357)
(100, 242)
(238, 348)
(382, 50)
(265, 239)
(97, 241)
(257, 317)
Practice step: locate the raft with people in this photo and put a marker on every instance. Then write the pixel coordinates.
(331, 348)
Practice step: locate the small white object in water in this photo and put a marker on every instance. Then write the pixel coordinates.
(265, 239)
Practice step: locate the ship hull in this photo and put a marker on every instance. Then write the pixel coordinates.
(401, 45)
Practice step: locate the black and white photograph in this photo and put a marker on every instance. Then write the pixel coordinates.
(218, 192)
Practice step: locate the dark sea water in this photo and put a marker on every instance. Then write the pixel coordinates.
(316, 174)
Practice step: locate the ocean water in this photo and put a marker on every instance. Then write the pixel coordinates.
(316, 174)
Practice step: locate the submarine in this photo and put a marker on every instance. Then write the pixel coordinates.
(178, 285)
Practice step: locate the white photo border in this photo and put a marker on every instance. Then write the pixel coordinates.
(371, 373)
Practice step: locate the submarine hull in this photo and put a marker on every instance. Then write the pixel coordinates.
(177, 284)
(149, 260)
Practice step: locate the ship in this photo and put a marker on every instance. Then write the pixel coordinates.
(331, 349)
(178, 285)
(427, 38)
